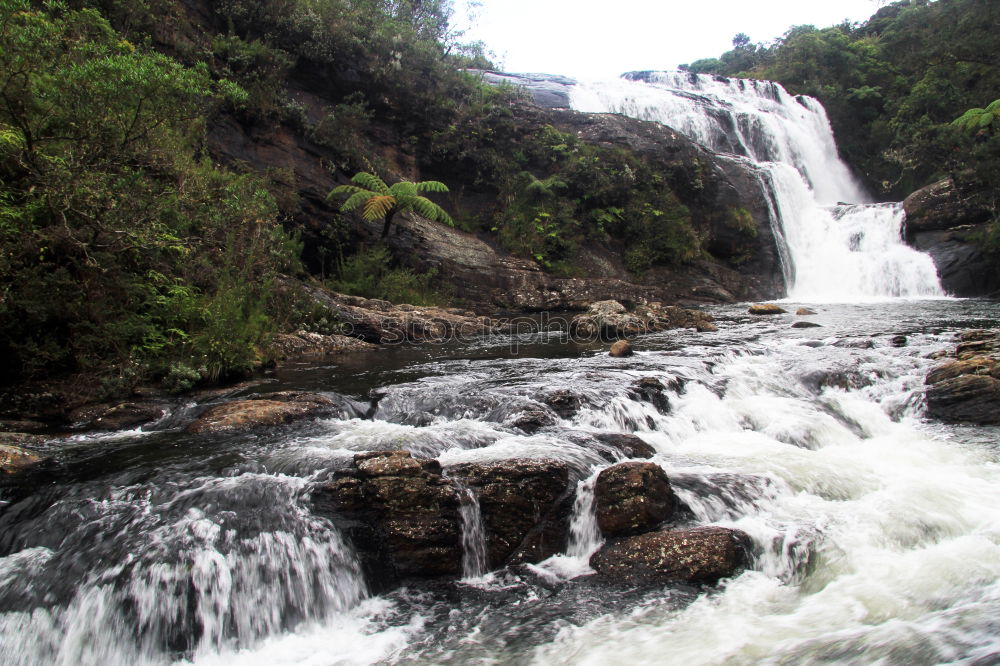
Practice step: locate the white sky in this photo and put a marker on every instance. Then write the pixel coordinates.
(589, 39)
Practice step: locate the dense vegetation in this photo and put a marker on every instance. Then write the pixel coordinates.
(127, 253)
(893, 85)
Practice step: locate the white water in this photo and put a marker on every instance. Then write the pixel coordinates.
(473, 536)
(837, 253)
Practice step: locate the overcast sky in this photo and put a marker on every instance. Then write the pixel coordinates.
(589, 39)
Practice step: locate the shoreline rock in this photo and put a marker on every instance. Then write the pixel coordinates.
(610, 320)
(631, 498)
(966, 388)
(269, 410)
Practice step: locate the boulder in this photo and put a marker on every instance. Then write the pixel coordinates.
(632, 497)
(629, 446)
(14, 459)
(400, 513)
(967, 389)
(563, 402)
(947, 222)
(302, 346)
(268, 410)
(621, 349)
(531, 421)
(805, 324)
(898, 341)
(805, 312)
(651, 390)
(118, 416)
(766, 309)
(698, 555)
(607, 320)
(526, 505)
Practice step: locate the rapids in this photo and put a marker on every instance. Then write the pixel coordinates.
(876, 533)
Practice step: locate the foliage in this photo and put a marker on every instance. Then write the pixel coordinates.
(370, 273)
(975, 121)
(384, 201)
(121, 250)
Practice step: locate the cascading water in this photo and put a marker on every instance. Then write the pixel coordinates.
(473, 536)
(840, 247)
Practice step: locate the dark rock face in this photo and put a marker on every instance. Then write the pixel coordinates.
(698, 555)
(632, 497)
(270, 410)
(526, 506)
(651, 390)
(630, 446)
(944, 223)
(401, 515)
(967, 388)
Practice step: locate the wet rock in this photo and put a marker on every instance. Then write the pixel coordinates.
(563, 402)
(805, 312)
(632, 497)
(630, 446)
(531, 421)
(842, 378)
(607, 320)
(621, 349)
(898, 341)
(303, 345)
(266, 410)
(14, 459)
(400, 514)
(855, 344)
(967, 389)
(698, 555)
(651, 390)
(526, 506)
(766, 309)
(805, 324)
(118, 416)
(10, 425)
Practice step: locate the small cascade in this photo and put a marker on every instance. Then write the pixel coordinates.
(584, 537)
(474, 564)
(831, 250)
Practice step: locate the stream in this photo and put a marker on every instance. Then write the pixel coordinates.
(876, 532)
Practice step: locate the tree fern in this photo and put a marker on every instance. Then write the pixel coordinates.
(975, 120)
(382, 201)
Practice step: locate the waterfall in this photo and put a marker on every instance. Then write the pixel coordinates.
(838, 245)
(473, 536)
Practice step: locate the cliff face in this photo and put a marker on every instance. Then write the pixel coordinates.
(946, 223)
(739, 263)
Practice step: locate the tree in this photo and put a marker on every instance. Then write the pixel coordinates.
(383, 201)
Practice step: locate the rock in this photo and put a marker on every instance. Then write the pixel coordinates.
(706, 327)
(651, 390)
(118, 416)
(946, 224)
(9, 425)
(620, 349)
(14, 459)
(898, 340)
(531, 421)
(698, 555)
(805, 324)
(563, 402)
(967, 398)
(400, 514)
(526, 506)
(268, 410)
(766, 309)
(547, 90)
(632, 497)
(307, 346)
(630, 446)
(967, 389)
(804, 312)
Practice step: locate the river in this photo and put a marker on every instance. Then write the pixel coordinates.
(876, 532)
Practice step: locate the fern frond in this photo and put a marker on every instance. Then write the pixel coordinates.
(356, 199)
(431, 186)
(378, 206)
(341, 190)
(371, 182)
(994, 106)
(404, 188)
